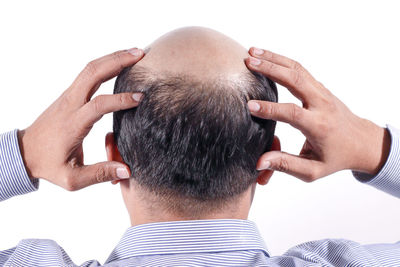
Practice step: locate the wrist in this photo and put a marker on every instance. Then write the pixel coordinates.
(26, 156)
(374, 149)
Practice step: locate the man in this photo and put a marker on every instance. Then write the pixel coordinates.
(195, 215)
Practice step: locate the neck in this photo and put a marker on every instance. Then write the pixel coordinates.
(145, 207)
(139, 216)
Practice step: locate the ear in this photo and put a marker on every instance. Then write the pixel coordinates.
(112, 152)
(264, 176)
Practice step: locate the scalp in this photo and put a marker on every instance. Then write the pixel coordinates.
(197, 52)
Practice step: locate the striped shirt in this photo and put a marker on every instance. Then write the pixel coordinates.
(200, 242)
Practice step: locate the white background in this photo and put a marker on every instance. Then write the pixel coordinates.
(352, 47)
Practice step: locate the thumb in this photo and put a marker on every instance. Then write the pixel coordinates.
(101, 172)
(305, 169)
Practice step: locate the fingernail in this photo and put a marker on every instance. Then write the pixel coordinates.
(254, 61)
(253, 106)
(258, 51)
(122, 173)
(135, 52)
(137, 96)
(264, 165)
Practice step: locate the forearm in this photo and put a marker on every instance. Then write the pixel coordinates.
(14, 179)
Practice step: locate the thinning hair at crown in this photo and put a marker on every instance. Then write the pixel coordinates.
(191, 140)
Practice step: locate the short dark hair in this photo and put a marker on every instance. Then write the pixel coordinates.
(193, 140)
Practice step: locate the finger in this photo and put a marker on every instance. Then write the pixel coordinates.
(305, 169)
(92, 111)
(103, 69)
(292, 79)
(296, 116)
(98, 173)
(281, 60)
(274, 58)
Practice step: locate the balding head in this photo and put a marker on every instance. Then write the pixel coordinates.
(195, 51)
(192, 141)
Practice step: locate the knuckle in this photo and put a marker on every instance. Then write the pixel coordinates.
(70, 184)
(91, 69)
(308, 179)
(295, 113)
(101, 175)
(324, 126)
(268, 55)
(297, 79)
(66, 102)
(117, 58)
(330, 107)
(270, 110)
(296, 65)
(321, 85)
(282, 165)
(313, 175)
(67, 99)
(270, 67)
(121, 98)
(272, 56)
(325, 101)
(97, 104)
(330, 104)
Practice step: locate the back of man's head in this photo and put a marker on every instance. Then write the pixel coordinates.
(192, 142)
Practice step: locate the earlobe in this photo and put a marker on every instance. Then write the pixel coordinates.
(276, 144)
(112, 152)
(264, 176)
(109, 144)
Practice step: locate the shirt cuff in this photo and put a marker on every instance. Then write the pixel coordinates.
(14, 179)
(388, 178)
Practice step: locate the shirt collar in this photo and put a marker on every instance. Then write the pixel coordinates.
(200, 236)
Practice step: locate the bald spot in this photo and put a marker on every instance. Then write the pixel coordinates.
(200, 53)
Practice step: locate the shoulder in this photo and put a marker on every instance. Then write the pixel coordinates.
(40, 252)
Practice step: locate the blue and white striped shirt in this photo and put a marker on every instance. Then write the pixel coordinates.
(201, 242)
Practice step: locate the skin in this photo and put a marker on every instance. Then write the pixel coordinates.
(199, 52)
(52, 146)
(335, 137)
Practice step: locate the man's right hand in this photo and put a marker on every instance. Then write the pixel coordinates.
(52, 146)
(336, 139)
